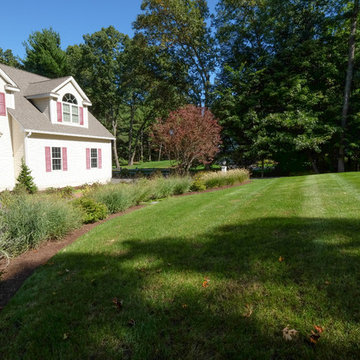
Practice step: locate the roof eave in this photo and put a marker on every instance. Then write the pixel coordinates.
(69, 134)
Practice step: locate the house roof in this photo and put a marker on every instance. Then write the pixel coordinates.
(45, 86)
(33, 119)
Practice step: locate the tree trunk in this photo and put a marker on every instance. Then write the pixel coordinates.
(142, 146)
(349, 77)
(262, 167)
(131, 129)
(160, 148)
(149, 149)
(116, 157)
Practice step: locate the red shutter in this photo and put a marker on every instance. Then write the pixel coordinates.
(88, 159)
(81, 116)
(2, 105)
(64, 158)
(99, 159)
(47, 158)
(59, 112)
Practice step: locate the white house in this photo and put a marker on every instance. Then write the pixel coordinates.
(47, 123)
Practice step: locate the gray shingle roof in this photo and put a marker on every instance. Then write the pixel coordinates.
(44, 87)
(33, 119)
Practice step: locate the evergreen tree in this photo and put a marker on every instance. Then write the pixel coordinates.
(25, 180)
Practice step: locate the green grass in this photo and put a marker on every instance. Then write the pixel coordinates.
(156, 259)
(165, 164)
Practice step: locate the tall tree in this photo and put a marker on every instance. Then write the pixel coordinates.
(7, 57)
(44, 55)
(349, 79)
(281, 65)
(96, 65)
(181, 27)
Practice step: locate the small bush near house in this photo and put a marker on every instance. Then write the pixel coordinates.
(92, 211)
(25, 181)
(26, 222)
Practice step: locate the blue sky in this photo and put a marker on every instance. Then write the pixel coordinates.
(72, 19)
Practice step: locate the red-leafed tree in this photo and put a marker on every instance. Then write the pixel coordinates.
(190, 135)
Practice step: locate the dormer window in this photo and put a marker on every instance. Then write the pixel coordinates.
(70, 109)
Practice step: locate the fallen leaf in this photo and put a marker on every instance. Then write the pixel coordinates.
(315, 335)
(314, 338)
(281, 259)
(66, 336)
(289, 334)
(249, 310)
(131, 322)
(319, 329)
(205, 283)
(118, 303)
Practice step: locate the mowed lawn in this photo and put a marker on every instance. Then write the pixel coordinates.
(155, 261)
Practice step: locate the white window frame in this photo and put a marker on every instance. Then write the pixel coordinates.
(96, 157)
(56, 158)
(72, 106)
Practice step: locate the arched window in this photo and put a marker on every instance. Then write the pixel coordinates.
(70, 109)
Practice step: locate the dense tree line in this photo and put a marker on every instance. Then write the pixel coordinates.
(281, 77)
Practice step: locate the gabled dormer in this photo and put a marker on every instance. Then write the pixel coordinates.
(61, 100)
(7, 90)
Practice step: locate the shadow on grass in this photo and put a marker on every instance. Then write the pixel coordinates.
(66, 310)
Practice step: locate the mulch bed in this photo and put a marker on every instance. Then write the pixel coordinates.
(21, 267)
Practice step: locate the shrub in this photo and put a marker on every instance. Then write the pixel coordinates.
(67, 192)
(198, 183)
(25, 180)
(92, 211)
(180, 184)
(26, 222)
(219, 178)
(116, 197)
(142, 191)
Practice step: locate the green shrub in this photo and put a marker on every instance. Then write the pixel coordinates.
(219, 178)
(198, 183)
(180, 184)
(116, 197)
(67, 192)
(26, 222)
(142, 191)
(92, 211)
(25, 180)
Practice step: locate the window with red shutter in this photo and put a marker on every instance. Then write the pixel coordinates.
(99, 159)
(81, 116)
(64, 159)
(47, 159)
(2, 104)
(87, 159)
(59, 112)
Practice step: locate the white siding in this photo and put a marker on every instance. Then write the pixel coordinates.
(77, 174)
(7, 179)
(17, 135)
